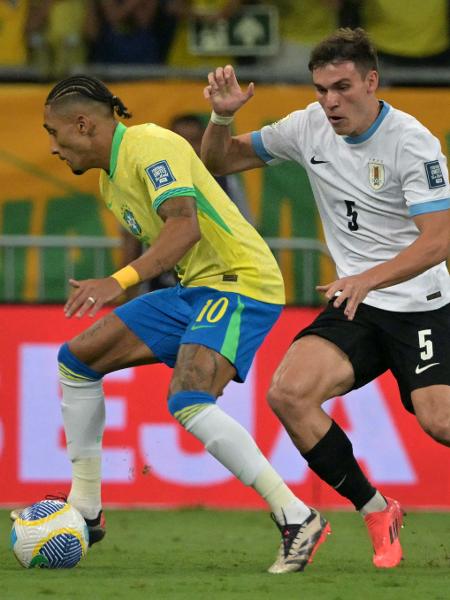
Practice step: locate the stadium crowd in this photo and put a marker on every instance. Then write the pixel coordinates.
(57, 37)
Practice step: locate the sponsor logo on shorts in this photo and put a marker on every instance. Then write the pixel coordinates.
(434, 174)
(420, 369)
(194, 327)
(160, 174)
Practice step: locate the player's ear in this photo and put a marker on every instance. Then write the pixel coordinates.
(372, 79)
(83, 124)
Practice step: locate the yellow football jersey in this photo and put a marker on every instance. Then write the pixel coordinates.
(149, 165)
(13, 20)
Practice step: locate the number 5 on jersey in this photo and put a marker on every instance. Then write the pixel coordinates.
(352, 214)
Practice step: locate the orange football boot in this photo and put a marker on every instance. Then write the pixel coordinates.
(384, 530)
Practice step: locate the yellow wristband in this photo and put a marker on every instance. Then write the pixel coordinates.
(126, 277)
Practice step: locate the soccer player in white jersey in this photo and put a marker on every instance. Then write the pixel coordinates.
(381, 185)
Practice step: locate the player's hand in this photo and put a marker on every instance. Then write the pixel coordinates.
(224, 92)
(351, 290)
(89, 295)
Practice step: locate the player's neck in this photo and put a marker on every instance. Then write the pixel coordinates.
(105, 144)
(372, 115)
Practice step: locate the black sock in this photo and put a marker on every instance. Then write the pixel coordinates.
(333, 461)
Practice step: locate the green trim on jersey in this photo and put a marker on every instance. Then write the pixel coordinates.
(116, 141)
(231, 342)
(207, 208)
(182, 191)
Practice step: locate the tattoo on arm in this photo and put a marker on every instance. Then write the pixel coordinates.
(180, 206)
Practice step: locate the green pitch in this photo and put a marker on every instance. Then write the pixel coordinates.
(214, 555)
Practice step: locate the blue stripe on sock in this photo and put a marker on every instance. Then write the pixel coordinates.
(183, 399)
(69, 360)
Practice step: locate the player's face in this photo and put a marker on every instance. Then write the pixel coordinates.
(68, 140)
(347, 97)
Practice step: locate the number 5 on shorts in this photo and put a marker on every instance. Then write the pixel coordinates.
(425, 345)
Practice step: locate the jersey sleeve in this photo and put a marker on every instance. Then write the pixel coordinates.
(166, 170)
(279, 141)
(424, 174)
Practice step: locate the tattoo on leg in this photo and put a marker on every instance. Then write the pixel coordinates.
(94, 329)
(198, 368)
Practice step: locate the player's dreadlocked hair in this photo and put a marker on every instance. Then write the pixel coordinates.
(343, 45)
(87, 87)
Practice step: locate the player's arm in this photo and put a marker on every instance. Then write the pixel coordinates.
(181, 231)
(131, 249)
(221, 152)
(431, 247)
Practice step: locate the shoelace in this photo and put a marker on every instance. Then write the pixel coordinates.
(290, 532)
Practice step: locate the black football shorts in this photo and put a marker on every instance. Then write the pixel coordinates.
(415, 346)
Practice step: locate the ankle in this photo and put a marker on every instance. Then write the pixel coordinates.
(376, 504)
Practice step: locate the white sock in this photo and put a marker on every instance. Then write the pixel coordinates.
(85, 493)
(285, 505)
(376, 504)
(83, 411)
(233, 447)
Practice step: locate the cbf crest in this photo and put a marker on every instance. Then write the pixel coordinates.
(376, 175)
(131, 221)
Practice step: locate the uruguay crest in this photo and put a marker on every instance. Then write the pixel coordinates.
(376, 175)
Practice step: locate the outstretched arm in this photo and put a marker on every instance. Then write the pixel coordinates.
(221, 152)
(181, 231)
(431, 247)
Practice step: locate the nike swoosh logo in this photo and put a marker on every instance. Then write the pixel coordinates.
(420, 370)
(194, 327)
(318, 162)
(340, 483)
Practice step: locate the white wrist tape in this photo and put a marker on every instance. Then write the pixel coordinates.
(221, 119)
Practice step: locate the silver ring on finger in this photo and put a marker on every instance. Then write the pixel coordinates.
(91, 300)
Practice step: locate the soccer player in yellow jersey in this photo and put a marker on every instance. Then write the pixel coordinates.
(207, 328)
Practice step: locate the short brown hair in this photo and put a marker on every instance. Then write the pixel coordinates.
(344, 45)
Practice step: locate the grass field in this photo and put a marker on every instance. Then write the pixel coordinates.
(204, 554)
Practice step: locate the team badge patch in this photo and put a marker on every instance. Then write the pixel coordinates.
(130, 220)
(160, 174)
(376, 175)
(434, 174)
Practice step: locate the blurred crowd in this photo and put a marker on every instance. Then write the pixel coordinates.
(57, 37)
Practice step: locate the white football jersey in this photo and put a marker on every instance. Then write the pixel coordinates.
(367, 189)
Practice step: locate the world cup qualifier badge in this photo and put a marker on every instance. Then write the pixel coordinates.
(376, 175)
(131, 221)
(434, 174)
(160, 174)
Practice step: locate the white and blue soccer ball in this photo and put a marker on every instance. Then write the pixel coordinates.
(50, 534)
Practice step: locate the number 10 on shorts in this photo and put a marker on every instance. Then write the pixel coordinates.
(213, 312)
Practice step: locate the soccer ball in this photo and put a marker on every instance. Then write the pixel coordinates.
(50, 534)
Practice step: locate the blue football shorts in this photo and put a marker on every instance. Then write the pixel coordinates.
(232, 324)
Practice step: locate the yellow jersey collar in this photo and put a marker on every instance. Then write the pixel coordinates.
(116, 141)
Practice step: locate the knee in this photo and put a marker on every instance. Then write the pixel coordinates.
(437, 426)
(72, 368)
(432, 408)
(286, 398)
